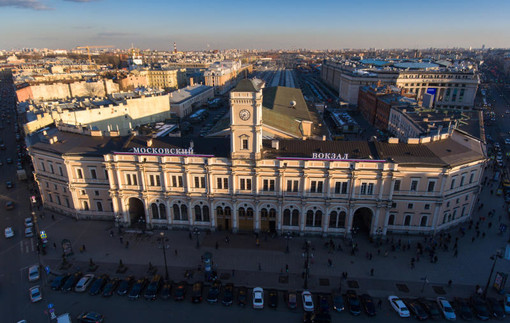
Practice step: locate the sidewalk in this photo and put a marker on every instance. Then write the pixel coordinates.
(471, 267)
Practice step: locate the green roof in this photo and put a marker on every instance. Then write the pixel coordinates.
(247, 85)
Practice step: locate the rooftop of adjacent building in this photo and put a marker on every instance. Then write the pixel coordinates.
(187, 93)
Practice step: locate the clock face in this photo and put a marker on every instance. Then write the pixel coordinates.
(244, 114)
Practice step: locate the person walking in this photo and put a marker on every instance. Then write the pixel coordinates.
(330, 262)
(450, 283)
(372, 272)
(121, 240)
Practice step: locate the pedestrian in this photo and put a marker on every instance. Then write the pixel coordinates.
(257, 242)
(217, 245)
(127, 244)
(456, 253)
(121, 240)
(379, 303)
(483, 234)
(260, 267)
(190, 236)
(83, 247)
(54, 245)
(233, 272)
(435, 259)
(473, 239)
(330, 262)
(372, 272)
(287, 268)
(53, 217)
(450, 283)
(490, 225)
(175, 252)
(111, 233)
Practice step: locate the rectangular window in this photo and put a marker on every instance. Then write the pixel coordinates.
(431, 186)
(268, 185)
(202, 182)
(414, 185)
(42, 166)
(51, 198)
(151, 180)
(128, 179)
(396, 187)
(471, 178)
(370, 189)
(410, 205)
(79, 173)
(96, 193)
(105, 174)
(197, 181)
(265, 185)
(135, 179)
(245, 144)
(51, 168)
(462, 179)
(219, 183)
(83, 192)
(93, 174)
(427, 207)
(60, 172)
(225, 183)
(99, 206)
(67, 202)
(452, 185)
(363, 189)
(181, 184)
(292, 185)
(245, 184)
(158, 180)
(58, 200)
(85, 205)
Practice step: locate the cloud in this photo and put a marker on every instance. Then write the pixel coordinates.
(113, 34)
(79, 0)
(24, 4)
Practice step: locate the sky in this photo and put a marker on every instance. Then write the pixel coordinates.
(262, 24)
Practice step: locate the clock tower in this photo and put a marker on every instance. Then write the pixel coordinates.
(246, 119)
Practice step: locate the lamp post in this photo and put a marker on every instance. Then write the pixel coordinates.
(287, 237)
(495, 259)
(163, 246)
(197, 234)
(307, 263)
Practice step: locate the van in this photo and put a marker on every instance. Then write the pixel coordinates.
(64, 318)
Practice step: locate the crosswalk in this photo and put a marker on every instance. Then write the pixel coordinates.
(28, 245)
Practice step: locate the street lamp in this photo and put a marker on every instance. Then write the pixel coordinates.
(287, 237)
(307, 263)
(197, 234)
(163, 246)
(495, 258)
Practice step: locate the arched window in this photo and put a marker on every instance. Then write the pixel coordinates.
(85, 205)
(407, 220)
(286, 217)
(184, 213)
(198, 213)
(272, 214)
(391, 219)
(155, 212)
(162, 211)
(228, 211)
(295, 217)
(205, 213)
(309, 218)
(241, 212)
(318, 219)
(423, 221)
(249, 212)
(263, 213)
(177, 212)
(341, 219)
(219, 211)
(333, 219)
(314, 219)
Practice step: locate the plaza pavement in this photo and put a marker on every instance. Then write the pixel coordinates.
(471, 267)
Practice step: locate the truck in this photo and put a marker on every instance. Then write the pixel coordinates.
(22, 175)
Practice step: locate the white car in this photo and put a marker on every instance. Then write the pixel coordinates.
(33, 273)
(258, 298)
(446, 309)
(84, 283)
(35, 294)
(399, 306)
(9, 232)
(28, 222)
(506, 303)
(29, 232)
(307, 301)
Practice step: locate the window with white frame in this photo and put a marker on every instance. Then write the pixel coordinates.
(177, 181)
(407, 219)
(93, 173)
(414, 185)
(245, 184)
(131, 179)
(43, 168)
(462, 179)
(268, 185)
(431, 185)
(452, 184)
(366, 189)
(292, 185)
(154, 180)
(396, 186)
(222, 183)
(99, 206)
(79, 173)
(51, 168)
(471, 177)
(341, 187)
(316, 186)
(199, 181)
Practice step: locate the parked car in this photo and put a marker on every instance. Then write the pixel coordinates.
(28, 222)
(180, 291)
(242, 296)
(84, 283)
(307, 299)
(214, 292)
(9, 184)
(446, 308)
(323, 301)
(9, 205)
(367, 303)
(166, 290)
(258, 298)
(431, 308)
(338, 302)
(228, 295)
(495, 308)
(416, 310)
(33, 273)
(353, 302)
(58, 282)
(125, 285)
(110, 287)
(463, 309)
(98, 285)
(506, 303)
(291, 300)
(29, 233)
(197, 292)
(71, 281)
(398, 305)
(35, 294)
(9, 232)
(137, 289)
(90, 317)
(273, 298)
(152, 290)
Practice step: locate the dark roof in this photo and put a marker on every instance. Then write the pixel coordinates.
(305, 148)
(247, 85)
(219, 147)
(402, 153)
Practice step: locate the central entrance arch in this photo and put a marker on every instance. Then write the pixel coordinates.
(362, 220)
(136, 211)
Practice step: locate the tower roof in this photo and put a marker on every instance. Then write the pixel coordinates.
(248, 85)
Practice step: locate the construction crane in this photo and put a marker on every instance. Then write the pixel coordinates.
(89, 47)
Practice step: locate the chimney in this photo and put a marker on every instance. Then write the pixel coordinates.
(275, 144)
(191, 82)
(191, 144)
(149, 142)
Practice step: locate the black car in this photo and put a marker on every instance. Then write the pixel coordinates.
(98, 285)
(242, 296)
(71, 281)
(430, 308)
(9, 160)
(196, 292)
(323, 303)
(214, 291)
(338, 302)
(90, 317)
(322, 317)
(137, 289)
(367, 303)
(110, 287)
(125, 285)
(228, 295)
(273, 298)
(58, 282)
(180, 291)
(353, 302)
(152, 290)
(166, 291)
(462, 309)
(495, 308)
(416, 309)
(480, 308)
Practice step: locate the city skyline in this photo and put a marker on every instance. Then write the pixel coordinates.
(283, 25)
